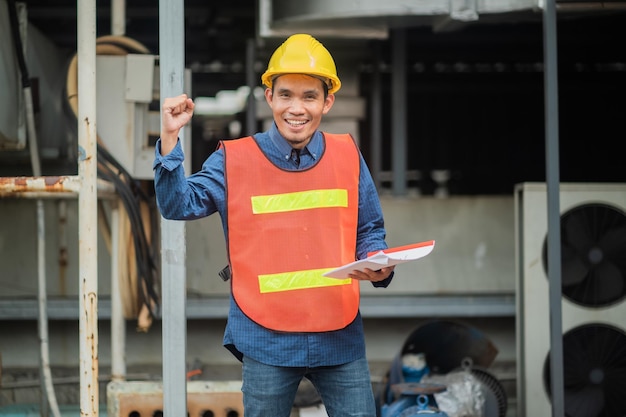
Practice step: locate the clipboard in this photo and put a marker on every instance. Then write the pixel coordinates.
(383, 258)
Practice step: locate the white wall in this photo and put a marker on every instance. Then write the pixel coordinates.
(473, 256)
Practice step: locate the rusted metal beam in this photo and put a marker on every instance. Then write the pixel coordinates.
(49, 187)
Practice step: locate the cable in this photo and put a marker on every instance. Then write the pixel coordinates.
(131, 195)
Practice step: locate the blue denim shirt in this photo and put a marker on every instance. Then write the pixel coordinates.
(203, 193)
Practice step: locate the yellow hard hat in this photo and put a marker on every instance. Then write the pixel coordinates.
(302, 54)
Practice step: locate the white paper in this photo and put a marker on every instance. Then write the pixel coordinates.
(381, 259)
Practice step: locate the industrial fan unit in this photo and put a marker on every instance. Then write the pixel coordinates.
(593, 299)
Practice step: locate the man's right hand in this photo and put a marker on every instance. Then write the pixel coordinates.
(175, 113)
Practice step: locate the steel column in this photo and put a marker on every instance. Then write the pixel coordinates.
(550, 74)
(398, 112)
(87, 208)
(173, 245)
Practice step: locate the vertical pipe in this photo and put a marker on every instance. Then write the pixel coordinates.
(398, 111)
(252, 82)
(554, 226)
(33, 145)
(42, 322)
(118, 17)
(118, 324)
(173, 249)
(63, 251)
(87, 208)
(376, 118)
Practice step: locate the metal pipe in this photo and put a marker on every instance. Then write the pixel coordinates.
(398, 112)
(554, 224)
(73, 380)
(63, 251)
(50, 187)
(118, 17)
(118, 324)
(33, 147)
(591, 6)
(173, 243)
(42, 301)
(251, 82)
(87, 209)
(376, 118)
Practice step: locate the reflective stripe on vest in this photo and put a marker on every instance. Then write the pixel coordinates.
(286, 229)
(297, 280)
(301, 200)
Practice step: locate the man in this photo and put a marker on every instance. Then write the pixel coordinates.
(294, 203)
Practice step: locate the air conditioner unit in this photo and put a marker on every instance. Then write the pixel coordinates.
(593, 299)
(128, 110)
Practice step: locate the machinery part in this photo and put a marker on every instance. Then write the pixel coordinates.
(139, 220)
(593, 301)
(495, 395)
(593, 277)
(105, 45)
(592, 255)
(413, 404)
(447, 343)
(594, 366)
(495, 404)
(417, 388)
(302, 54)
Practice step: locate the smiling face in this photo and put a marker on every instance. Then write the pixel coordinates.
(297, 102)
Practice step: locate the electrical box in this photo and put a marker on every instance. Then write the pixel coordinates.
(129, 111)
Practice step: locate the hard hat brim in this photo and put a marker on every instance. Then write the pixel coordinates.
(333, 82)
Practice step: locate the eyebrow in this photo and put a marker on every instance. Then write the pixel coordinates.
(306, 92)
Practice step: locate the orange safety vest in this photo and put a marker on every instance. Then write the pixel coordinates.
(286, 229)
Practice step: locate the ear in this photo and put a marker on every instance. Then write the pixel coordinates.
(328, 103)
(268, 96)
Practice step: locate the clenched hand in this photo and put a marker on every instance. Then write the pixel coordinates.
(175, 113)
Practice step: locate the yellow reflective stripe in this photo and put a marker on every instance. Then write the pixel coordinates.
(298, 280)
(301, 200)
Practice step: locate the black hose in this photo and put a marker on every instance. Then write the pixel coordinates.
(131, 196)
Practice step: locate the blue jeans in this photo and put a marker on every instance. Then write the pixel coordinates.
(269, 391)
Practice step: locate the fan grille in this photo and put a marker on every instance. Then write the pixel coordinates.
(593, 255)
(594, 371)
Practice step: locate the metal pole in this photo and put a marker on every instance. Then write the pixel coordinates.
(376, 118)
(49, 186)
(173, 249)
(87, 208)
(118, 324)
(252, 82)
(554, 227)
(398, 112)
(118, 17)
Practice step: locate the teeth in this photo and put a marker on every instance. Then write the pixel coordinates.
(296, 122)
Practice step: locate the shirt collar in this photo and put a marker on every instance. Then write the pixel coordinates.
(313, 148)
